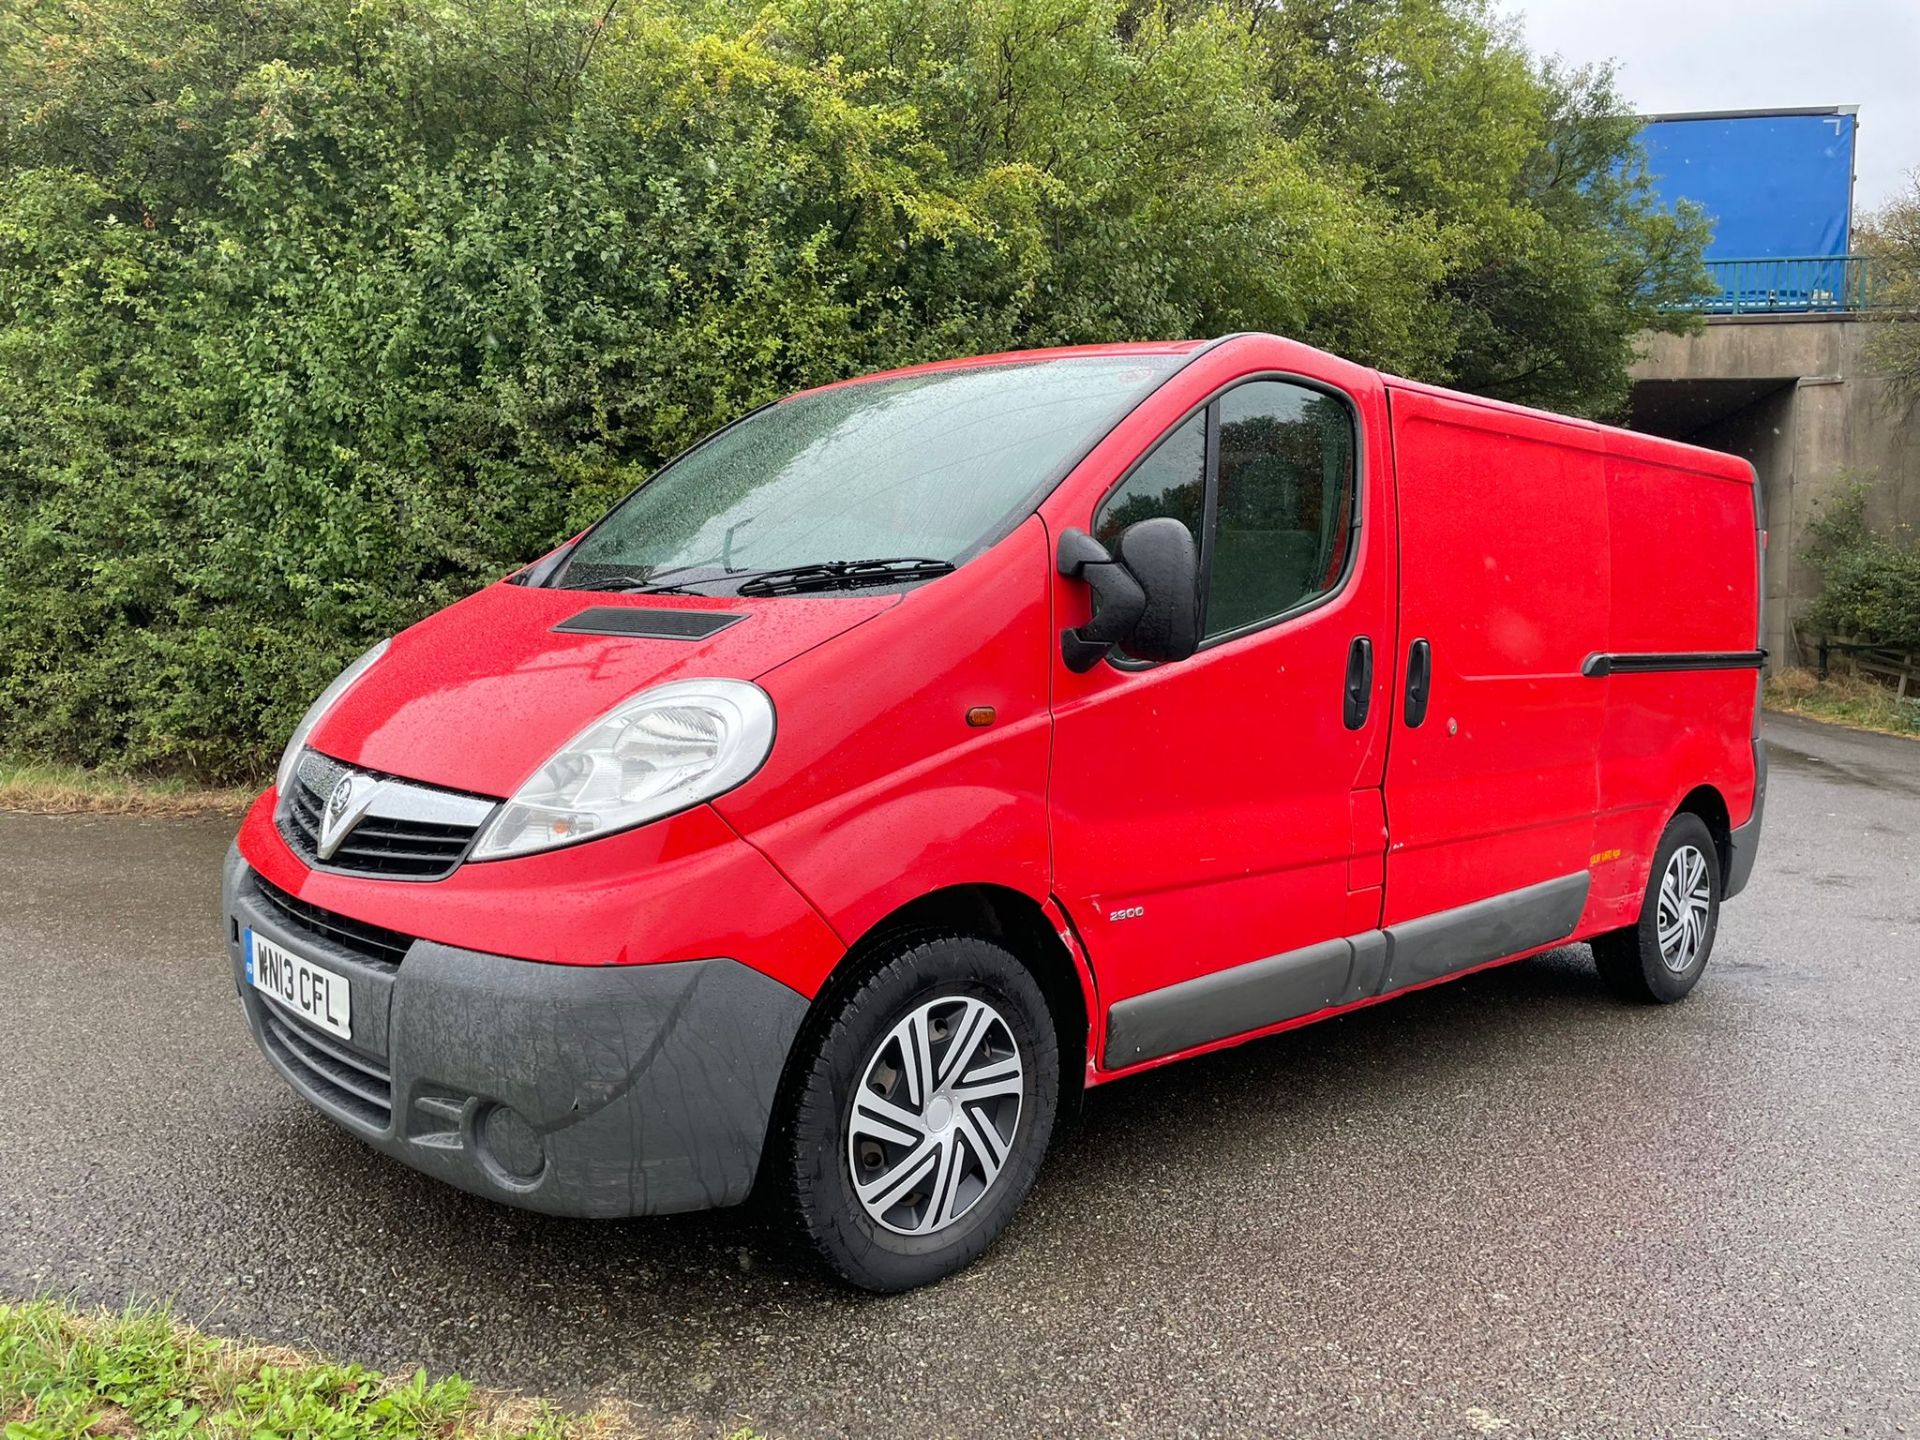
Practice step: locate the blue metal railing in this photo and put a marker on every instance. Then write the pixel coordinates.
(1797, 284)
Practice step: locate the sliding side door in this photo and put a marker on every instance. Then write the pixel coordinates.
(1492, 765)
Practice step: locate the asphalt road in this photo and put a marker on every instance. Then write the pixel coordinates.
(1507, 1200)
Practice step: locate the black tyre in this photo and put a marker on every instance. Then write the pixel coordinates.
(922, 1112)
(1660, 959)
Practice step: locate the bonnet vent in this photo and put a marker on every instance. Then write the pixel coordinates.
(648, 624)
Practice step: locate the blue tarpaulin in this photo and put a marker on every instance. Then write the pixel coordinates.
(1774, 184)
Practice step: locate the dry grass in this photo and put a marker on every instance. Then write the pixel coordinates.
(40, 789)
(1844, 698)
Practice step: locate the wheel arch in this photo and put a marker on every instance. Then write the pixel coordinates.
(1710, 805)
(1010, 918)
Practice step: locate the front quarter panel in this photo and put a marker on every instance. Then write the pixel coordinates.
(878, 790)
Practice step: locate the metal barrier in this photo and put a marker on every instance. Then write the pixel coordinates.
(1798, 284)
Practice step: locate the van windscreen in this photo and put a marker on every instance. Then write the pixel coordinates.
(930, 467)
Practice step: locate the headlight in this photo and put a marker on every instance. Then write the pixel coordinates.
(342, 683)
(664, 750)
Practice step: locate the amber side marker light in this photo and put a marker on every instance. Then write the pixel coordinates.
(980, 716)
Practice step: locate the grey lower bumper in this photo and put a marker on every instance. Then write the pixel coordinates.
(1744, 844)
(600, 1091)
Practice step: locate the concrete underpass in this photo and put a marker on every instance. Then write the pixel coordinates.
(1794, 394)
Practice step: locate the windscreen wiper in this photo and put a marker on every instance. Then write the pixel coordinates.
(646, 582)
(543, 571)
(842, 575)
(633, 585)
(665, 589)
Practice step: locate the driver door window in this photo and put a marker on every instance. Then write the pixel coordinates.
(1171, 481)
(1270, 500)
(1283, 517)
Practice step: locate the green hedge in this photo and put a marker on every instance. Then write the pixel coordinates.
(315, 315)
(1870, 588)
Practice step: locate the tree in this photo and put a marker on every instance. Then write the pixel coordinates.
(317, 314)
(1870, 583)
(1891, 241)
(1528, 173)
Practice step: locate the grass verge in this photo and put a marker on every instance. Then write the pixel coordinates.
(1843, 699)
(71, 1376)
(41, 789)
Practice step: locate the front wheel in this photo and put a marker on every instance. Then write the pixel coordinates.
(923, 1113)
(1661, 958)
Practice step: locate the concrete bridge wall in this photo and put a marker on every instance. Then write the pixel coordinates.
(1794, 396)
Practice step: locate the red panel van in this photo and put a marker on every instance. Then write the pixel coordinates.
(920, 750)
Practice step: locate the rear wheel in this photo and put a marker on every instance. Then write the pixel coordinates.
(923, 1113)
(1660, 958)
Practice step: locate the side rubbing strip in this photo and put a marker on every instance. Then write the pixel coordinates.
(641, 623)
(1227, 1002)
(1491, 929)
(1340, 972)
(1600, 663)
(1370, 952)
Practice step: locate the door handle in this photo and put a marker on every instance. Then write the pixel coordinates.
(1419, 681)
(1359, 682)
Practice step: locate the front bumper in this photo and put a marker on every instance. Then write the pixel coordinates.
(595, 1091)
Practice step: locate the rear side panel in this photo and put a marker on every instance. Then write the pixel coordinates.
(1685, 599)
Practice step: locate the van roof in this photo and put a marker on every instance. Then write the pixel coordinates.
(1613, 439)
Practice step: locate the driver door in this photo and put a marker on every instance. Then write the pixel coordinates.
(1224, 811)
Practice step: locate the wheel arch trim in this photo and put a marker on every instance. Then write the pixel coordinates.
(1035, 930)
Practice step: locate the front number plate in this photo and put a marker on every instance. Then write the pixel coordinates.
(313, 992)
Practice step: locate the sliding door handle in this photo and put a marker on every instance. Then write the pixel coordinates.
(1359, 682)
(1419, 681)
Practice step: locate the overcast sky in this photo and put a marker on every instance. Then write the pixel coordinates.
(1754, 55)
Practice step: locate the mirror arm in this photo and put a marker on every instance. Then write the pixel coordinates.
(1118, 600)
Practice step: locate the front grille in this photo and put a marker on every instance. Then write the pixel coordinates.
(353, 1084)
(375, 944)
(427, 844)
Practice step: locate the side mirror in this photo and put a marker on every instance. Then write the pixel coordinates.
(1145, 600)
(1163, 558)
(1118, 600)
